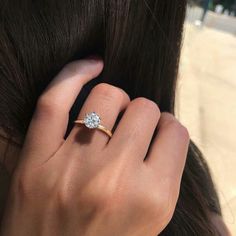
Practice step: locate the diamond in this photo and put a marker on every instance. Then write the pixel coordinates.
(92, 120)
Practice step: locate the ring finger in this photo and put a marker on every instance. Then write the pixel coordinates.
(107, 101)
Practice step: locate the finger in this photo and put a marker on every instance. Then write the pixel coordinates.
(135, 129)
(168, 151)
(107, 101)
(50, 120)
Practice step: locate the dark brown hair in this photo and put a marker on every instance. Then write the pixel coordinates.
(140, 42)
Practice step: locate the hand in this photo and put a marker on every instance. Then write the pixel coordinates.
(89, 184)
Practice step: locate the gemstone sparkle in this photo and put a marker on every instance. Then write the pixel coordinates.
(92, 120)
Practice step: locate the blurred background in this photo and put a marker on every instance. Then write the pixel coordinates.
(206, 94)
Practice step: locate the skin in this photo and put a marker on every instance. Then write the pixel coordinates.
(90, 184)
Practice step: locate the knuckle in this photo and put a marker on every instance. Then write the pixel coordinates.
(169, 121)
(147, 104)
(110, 91)
(173, 124)
(103, 200)
(22, 186)
(178, 128)
(167, 116)
(63, 199)
(103, 203)
(184, 132)
(47, 105)
(64, 195)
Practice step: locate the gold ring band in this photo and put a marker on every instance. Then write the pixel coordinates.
(100, 127)
(93, 121)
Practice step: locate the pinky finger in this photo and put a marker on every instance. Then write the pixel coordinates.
(168, 152)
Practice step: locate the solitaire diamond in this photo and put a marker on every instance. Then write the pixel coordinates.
(92, 120)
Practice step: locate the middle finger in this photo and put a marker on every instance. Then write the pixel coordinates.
(134, 132)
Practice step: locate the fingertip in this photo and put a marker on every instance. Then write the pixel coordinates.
(90, 68)
(85, 68)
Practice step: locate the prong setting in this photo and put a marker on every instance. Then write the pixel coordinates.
(92, 120)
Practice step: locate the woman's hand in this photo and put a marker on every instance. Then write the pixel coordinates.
(89, 184)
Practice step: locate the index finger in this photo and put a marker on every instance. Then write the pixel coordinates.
(48, 125)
